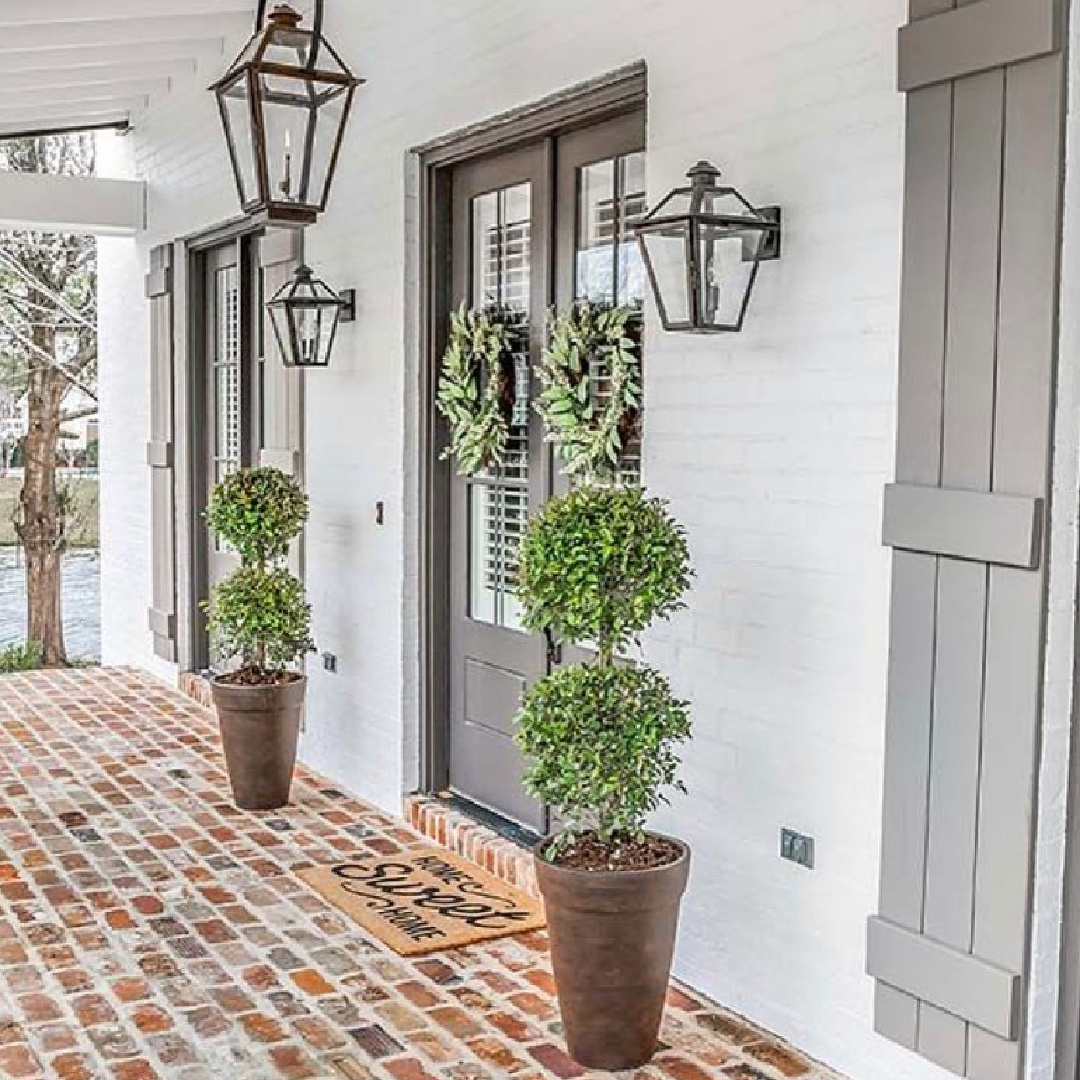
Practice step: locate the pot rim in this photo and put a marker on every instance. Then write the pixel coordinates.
(215, 681)
(619, 875)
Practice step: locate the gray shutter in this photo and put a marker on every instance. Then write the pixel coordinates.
(161, 453)
(282, 397)
(967, 517)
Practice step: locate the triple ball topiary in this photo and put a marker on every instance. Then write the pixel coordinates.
(259, 615)
(597, 567)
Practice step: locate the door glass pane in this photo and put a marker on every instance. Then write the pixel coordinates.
(226, 375)
(499, 500)
(611, 197)
(596, 233)
(497, 517)
(633, 206)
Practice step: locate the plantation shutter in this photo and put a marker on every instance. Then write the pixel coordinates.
(161, 454)
(282, 395)
(967, 519)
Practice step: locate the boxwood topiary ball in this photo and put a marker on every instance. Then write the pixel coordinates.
(259, 512)
(600, 564)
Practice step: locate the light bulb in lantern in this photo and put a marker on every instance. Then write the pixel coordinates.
(286, 182)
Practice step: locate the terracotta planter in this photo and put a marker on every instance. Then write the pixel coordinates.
(612, 940)
(260, 730)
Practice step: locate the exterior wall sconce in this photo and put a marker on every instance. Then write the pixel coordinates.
(305, 314)
(284, 104)
(703, 246)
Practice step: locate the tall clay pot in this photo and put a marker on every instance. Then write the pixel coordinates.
(260, 730)
(612, 940)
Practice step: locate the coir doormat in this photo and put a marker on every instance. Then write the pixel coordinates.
(427, 900)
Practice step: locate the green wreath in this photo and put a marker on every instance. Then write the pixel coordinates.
(476, 388)
(592, 425)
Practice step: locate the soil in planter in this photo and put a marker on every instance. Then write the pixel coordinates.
(588, 852)
(251, 676)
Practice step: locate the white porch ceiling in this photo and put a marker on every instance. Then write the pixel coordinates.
(88, 63)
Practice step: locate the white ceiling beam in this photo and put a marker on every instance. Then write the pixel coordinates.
(120, 33)
(81, 95)
(34, 116)
(81, 11)
(30, 201)
(119, 57)
(67, 76)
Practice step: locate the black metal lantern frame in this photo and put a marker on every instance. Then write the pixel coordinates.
(305, 314)
(285, 103)
(703, 246)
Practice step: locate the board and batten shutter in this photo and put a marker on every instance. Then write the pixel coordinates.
(967, 518)
(161, 453)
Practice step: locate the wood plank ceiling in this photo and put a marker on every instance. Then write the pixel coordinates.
(68, 64)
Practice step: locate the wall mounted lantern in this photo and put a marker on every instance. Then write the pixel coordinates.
(305, 314)
(703, 246)
(284, 104)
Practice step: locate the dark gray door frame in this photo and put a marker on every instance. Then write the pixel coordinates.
(600, 99)
(190, 394)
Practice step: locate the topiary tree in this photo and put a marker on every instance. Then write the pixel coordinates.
(597, 567)
(259, 614)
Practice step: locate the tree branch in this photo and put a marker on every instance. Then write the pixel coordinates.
(78, 414)
(43, 356)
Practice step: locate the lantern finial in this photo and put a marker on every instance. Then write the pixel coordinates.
(704, 174)
(284, 15)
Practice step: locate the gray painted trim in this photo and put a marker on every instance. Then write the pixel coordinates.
(162, 623)
(159, 454)
(957, 982)
(587, 103)
(1005, 530)
(977, 37)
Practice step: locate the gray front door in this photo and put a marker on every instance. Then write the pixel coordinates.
(545, 224)
(501, 256)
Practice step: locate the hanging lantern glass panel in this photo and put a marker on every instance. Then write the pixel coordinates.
(284, 104)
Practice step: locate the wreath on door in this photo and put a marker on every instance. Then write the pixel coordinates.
(591, 377)
(477, 387)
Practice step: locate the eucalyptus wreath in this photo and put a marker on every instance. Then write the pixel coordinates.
(476, 387)
(591, 377)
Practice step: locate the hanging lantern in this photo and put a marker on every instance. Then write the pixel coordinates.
(284, 104)
(703, 246)
(305, 314)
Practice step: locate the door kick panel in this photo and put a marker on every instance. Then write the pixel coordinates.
(492, 696)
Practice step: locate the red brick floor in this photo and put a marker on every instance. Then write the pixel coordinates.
(149, 930)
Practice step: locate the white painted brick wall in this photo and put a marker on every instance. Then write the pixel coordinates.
(773, 445)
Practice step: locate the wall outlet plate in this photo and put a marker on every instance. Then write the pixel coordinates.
(329, 662)
(796, 848)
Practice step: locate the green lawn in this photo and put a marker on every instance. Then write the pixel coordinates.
(83, 523)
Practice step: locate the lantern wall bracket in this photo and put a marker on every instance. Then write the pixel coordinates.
(347, 299)
(773, 245)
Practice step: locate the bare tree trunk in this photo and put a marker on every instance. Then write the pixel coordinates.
(41, 529)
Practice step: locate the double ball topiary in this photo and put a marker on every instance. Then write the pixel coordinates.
(259, 614)
(597, 567)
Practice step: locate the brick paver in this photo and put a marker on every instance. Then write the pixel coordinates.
(150, 931)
